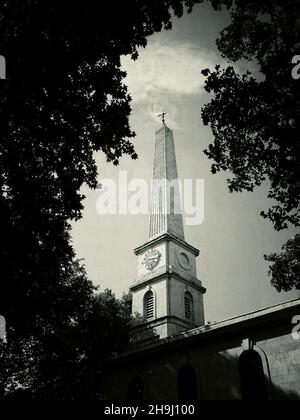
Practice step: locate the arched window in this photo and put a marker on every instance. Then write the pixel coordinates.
(149, 305)
(187, 384)
(253, 383)
(136, 389)
(188, 307)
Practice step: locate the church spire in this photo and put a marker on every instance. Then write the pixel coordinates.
(166, 292)
(165, 210)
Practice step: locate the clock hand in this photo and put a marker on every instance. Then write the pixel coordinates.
(152, 258)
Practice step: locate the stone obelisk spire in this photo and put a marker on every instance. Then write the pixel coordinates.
(165, 210)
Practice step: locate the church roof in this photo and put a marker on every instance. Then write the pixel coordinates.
(209, 331)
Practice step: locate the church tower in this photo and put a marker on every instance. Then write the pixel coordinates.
(167, 295)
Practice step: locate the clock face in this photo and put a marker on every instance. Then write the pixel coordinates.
(151, 259)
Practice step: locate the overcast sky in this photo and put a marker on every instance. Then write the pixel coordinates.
(233, 237)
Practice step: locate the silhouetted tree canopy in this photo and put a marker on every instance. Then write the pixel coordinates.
(285, 270)
(65, 359)
(63, 100)
(256, 123)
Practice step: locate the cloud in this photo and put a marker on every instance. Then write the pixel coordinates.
(162, 68)
(165, 74)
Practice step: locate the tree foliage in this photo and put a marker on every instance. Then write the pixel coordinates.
(63, 100)
(63, 359)
(256, 121)
(285, 270)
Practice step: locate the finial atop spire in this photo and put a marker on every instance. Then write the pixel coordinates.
(163, 117)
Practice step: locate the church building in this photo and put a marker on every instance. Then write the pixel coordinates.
(175, 354)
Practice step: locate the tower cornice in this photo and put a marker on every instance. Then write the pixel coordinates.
(167, 237)
(169, 275)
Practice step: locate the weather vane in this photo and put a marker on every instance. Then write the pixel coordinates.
(163, 117)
